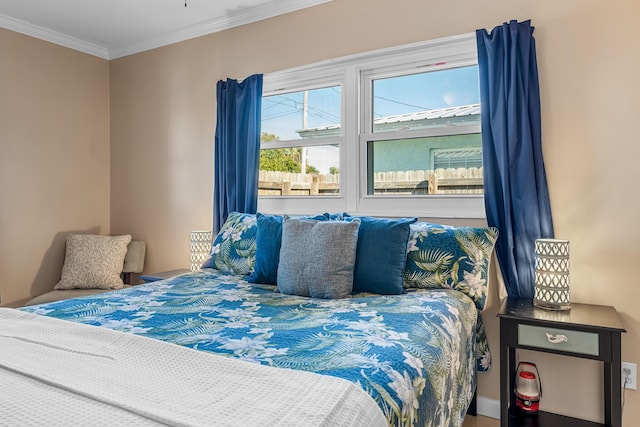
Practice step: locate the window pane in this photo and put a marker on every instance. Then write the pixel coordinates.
(288, 116)
(281, 171)
(434, 165)
(433, 99)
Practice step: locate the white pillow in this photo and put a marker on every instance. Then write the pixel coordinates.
(93, 262)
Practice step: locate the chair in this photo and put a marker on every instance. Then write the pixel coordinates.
(133, 263)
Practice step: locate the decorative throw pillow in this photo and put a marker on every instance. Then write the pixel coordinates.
(234, 248)
(440, 256)
(268, 243)
(381, 254)
(317, 257)
(93, 262)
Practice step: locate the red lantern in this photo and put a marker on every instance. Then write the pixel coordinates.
(528, 388)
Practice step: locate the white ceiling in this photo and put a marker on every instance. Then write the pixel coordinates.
(114, 28)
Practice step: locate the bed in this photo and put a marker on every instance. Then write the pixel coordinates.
(414, 354)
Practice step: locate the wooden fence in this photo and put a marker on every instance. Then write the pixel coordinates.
(440, 181)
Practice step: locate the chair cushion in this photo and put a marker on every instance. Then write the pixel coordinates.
(53, 296)
(93, 262)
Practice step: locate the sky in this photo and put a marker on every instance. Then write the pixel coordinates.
(426, 91)
(283, 114)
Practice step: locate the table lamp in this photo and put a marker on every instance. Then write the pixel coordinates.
(552, 274)
(200, 248)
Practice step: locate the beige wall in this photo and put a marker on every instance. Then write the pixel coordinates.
(163, 121)
(163, 107)
(54, 158)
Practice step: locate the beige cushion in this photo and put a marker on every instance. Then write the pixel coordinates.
(93, 262)
(134, 260)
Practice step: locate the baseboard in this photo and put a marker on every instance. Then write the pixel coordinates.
(488, 407)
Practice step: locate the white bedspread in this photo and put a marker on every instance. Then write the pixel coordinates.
(54, 372)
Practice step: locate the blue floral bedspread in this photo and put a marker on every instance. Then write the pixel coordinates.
(413, 353)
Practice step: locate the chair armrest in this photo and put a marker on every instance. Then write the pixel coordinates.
(134, 260)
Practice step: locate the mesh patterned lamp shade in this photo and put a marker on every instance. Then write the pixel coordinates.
(552, 274)
(200, 248)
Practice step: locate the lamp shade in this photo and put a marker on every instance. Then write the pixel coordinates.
(552, 274)
(200, 248)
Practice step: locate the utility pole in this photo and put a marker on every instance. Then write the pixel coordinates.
(305, 110)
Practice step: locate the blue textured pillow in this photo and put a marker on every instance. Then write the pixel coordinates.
(441, 256)
(234, 248)
(317, 257)
(381, 255)
(268, 243)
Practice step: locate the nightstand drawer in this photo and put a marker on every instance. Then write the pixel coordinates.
(559, 339)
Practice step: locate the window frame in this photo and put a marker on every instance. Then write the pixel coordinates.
(355, 74)
(296, 80)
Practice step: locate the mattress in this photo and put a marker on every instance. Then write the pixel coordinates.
(413, 354)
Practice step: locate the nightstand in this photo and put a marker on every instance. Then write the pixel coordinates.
(154, 277)
(586, 331)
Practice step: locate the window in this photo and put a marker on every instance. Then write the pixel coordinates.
(300, 143)
(311, 113)
(393, 132)
(441, 108)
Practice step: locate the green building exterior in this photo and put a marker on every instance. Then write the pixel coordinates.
(454, 150)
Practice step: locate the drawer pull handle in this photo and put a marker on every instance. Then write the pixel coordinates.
(556, 339)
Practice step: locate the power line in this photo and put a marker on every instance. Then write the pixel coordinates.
(278, 115)
(314, 111)
(321, 113)
(403, 103)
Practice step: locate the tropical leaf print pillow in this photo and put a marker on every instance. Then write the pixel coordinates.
(234, 248)
(441, 256)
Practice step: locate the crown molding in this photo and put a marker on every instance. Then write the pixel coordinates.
(52, 36)
(233, 19)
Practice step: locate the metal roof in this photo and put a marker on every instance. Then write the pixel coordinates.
(438, 116)
(439, 113)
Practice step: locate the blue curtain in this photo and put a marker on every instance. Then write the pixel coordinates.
(237, 148)
(516, 193)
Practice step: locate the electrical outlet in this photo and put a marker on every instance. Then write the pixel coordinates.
(629, 375)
